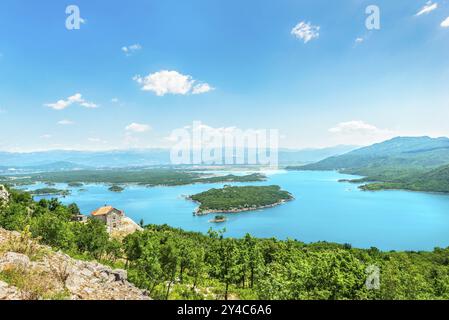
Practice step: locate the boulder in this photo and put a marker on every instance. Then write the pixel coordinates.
(14, 260)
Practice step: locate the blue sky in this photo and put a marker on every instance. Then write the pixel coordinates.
(136, 70)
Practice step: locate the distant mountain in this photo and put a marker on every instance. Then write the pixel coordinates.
(400, 152)
(98, 159)
(54, 166)
(61, 159)
(291, 156)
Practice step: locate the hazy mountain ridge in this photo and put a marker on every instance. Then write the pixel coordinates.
(61, 159)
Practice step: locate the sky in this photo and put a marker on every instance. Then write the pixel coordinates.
(136, 70)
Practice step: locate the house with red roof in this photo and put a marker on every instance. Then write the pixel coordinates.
(111, 216)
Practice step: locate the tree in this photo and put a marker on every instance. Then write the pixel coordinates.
(170, 257)
(91, 237)
(52, 230)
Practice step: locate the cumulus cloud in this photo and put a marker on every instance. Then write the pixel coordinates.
(129, 50)
(428, 7)
(445, 23)
(137, 127)
(306, 31)
(76, 98)
(171, 82)
(65, 122)
(359, 133)
(359, 40)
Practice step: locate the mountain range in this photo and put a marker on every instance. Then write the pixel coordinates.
(69, 160)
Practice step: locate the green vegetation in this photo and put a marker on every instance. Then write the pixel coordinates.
(116, 188)
(174, 264)
(234, 199)
(418, 164)
(436, 180)
(150, 177)
(50, 191)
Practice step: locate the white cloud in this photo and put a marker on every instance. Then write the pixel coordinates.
(358, 132)
(359, 40)
(76, 98)
(201, 88)
(171, 82)
(59, 105)
(445, 23)
(65, 122)
(89, 105)
(353, 126)
(114, 100)
(46, 136)
(137, 127)
(306, 31)
(129, 50)
(428, 7)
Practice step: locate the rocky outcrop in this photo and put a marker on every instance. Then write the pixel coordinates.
(44, 274)
(125, 227)
(8, 292)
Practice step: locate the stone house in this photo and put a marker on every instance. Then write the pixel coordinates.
(111, 216)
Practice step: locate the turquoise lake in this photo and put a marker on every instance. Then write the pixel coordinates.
(323, 210)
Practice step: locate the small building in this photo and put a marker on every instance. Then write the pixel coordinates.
(111, 216)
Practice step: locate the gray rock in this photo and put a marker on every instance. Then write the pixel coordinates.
(14, 259)
(120, 274)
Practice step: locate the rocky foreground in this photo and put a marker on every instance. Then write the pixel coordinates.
(31, 271)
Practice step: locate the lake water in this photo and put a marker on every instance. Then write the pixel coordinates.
(323, 210)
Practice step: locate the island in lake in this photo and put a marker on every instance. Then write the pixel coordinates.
(116, 188)
(50, 192)
(237, 199)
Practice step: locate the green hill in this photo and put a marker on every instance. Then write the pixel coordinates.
(436, 180)
(413, 163)
(404, 153)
